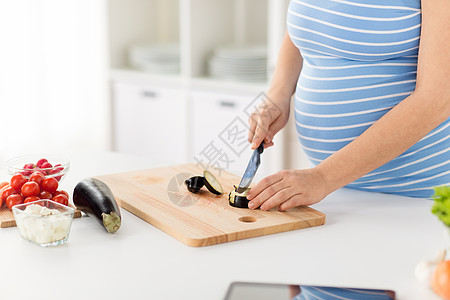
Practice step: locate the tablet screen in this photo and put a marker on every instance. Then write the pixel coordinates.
(263, 291)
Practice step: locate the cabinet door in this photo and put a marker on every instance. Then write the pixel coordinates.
(149, 121)
(220, 130)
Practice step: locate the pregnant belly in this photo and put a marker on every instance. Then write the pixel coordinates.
(336, 102)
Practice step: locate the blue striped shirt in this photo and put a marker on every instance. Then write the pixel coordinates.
(359, 61)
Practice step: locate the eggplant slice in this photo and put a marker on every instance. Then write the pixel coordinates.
(212, 184)
(239, 200)
(195, 183)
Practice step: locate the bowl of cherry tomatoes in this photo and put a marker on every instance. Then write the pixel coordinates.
(33, 179)
(49, 165)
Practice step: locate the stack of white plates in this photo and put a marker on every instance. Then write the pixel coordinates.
(242, 63)
(155, 58)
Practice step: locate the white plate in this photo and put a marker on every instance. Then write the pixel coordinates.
(242, 52)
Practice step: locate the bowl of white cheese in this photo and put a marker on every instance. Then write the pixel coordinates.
(44, 222)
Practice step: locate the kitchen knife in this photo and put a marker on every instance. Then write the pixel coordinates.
(252, 167)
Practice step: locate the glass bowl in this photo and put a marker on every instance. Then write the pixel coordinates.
(44, 222)
(27, 164)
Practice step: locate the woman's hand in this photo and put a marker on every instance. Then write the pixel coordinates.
(288, 189)
(266, 121)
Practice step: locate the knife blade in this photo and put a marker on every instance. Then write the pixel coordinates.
(252, 167)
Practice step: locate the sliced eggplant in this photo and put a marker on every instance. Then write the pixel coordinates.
(94, 197)
(212, 184)
(194, 184)
(239, 200)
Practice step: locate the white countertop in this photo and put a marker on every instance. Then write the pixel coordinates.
(370, 240)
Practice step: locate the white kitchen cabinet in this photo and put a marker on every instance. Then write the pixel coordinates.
(149, 121)
(220, 129)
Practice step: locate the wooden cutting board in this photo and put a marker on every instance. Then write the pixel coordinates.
(7, 216)
(160, 197)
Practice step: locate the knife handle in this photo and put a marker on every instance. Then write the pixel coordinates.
(261, 148)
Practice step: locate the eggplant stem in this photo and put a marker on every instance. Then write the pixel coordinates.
(111, 221)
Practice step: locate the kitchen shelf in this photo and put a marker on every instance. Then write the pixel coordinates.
(139, 77)
(134, 22)
(223, 23)
(198, 27)
(214, 84)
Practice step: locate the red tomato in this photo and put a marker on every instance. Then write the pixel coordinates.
(46, 165)
(41, 162)
(45, 195)
(1, 192)
(61, 198)
(17, 181)
(61, 192)
(31, 199)
(14, 200)
(37, 177)
(30, 188)
(2, 186)
(50, 185)
(7, 191)
(28, 166)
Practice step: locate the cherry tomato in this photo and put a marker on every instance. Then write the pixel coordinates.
(45, 195)
(7, 191)
(26, 173)
(61, 198)
(61, 192)
(1, 192)
(17, 181)
(50, 185)
(14, 200)
(31, 199)
(37, 177)
(2, 186)
(29, 166)
(46, 165)
(30, 188)
(41, 162)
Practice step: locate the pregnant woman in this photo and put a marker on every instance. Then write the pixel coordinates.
(371, 80)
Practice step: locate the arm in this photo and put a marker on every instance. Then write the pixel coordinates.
(264, 124)
(390, 136)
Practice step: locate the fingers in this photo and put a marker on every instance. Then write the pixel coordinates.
(280, 197)
(267, 145)
(260, 123)
(252, 126)
(263, 184)
(276, 126)
(287, 189)
(264, 199)
(260, 134)
(292, 202)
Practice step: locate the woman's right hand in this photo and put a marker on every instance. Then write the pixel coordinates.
(269, 118)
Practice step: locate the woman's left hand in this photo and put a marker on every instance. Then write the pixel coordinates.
(287, 189)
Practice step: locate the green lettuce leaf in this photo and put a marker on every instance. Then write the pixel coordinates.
(441, 207)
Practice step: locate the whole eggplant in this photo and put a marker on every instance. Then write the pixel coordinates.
(95, 198)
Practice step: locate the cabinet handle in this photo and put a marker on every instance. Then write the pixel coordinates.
(149, 95)
(226, 103)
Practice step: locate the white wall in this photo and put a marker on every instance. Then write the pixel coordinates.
(53, 94)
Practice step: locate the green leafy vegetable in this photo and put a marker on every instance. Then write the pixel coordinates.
(441, 207)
